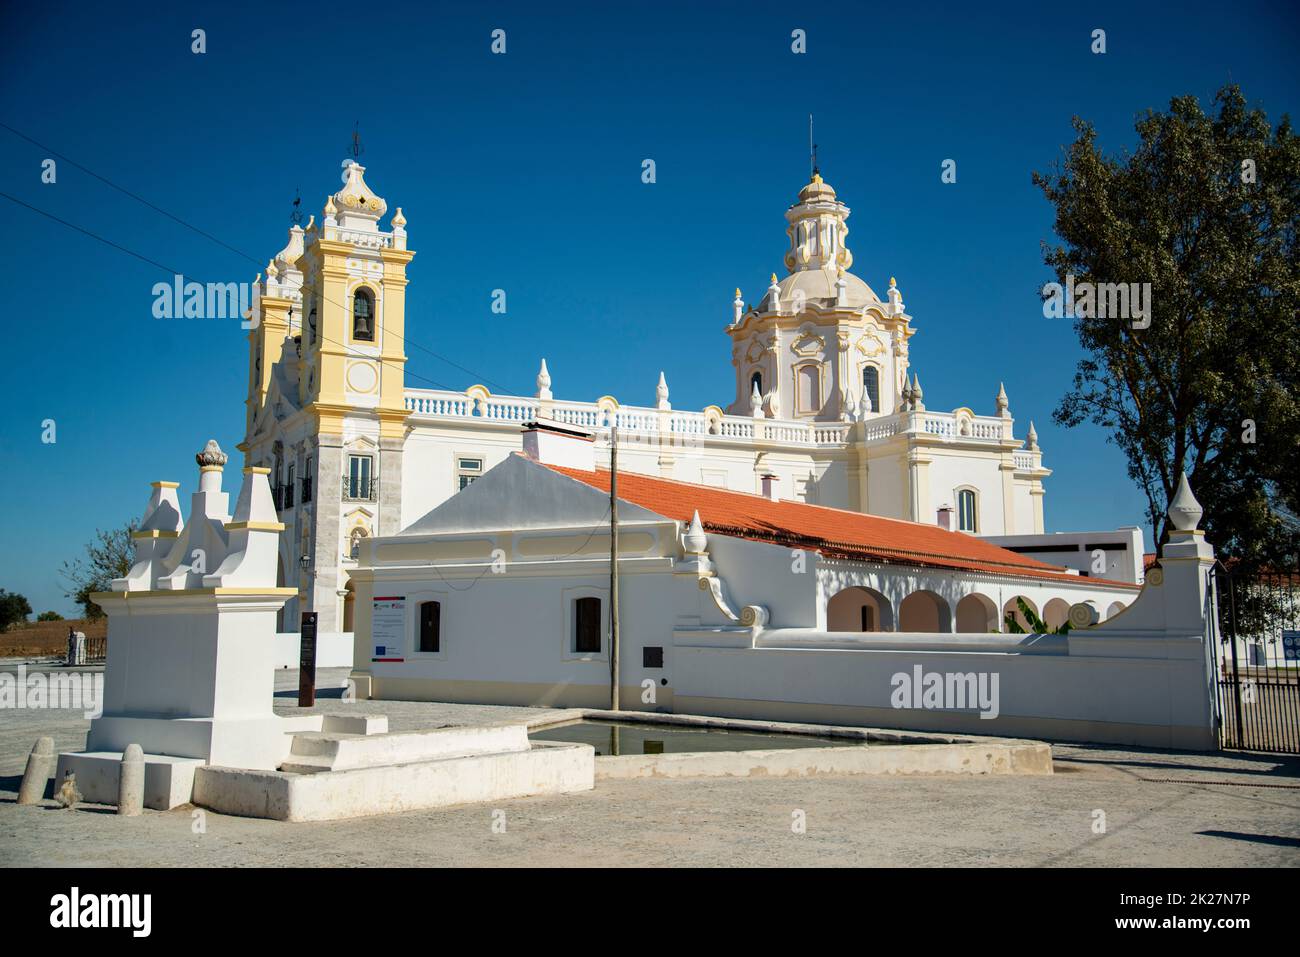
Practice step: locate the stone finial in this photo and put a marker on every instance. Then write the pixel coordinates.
(661, 393)
(330, 209)
(543, 382)
(917, 394)
(271, 270)
(1031, 438)
(1003, 406)
(211, 457)
(895, 297)
(311, 224)
(398, 219)
(774, 295)
(1184, 511)
(695, 540)
(738, 307)
(906, 394)
(756, 403)
(293, 250)
(864, 406)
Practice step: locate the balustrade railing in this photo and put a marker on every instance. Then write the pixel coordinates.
(699, 426)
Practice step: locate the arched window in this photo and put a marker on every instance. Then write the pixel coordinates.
(311, 326)
(363, 315)
(967, 514)
(871, 386)
(756, 382)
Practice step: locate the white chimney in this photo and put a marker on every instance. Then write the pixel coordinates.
(557, 443)
(768, 483)
(945, 517)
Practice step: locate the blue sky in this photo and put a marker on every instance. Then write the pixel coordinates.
(522, 172)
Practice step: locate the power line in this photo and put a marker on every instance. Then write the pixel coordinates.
(175, 272)
(253, 259)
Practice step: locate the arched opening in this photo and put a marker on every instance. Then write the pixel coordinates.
(1115, 608)
(1056, 613)
(871, 386)
(926, 612)
(967, 511)
(977, 615)
(756, 383)
(859, 608)
(349, 606)
(363, 315)
(1012, 607)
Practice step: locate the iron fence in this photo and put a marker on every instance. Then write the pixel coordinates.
(1257, 659)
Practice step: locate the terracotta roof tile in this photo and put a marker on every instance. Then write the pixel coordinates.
(833, 532)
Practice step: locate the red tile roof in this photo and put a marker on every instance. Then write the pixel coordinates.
(833, 532)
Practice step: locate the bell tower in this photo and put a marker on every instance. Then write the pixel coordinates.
(326, 400)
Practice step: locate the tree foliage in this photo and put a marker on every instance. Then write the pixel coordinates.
(109, 555)
(1204, 209)
(14, 609)
(1036, 624)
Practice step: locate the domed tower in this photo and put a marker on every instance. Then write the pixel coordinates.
(820, 344)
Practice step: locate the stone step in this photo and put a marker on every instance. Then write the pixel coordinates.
(325, 751)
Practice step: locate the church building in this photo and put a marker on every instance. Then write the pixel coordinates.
(828, 407)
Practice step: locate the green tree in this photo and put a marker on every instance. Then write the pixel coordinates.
(49, 616)
(108, 556)
(1205, 210)
(13, 609)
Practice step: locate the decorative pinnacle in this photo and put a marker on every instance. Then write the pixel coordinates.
(738, 292)
(773, 279)
(695, 540)
(211, 456)
(893, 283)
(1184, 511)
(1031, 438)
(399, 220)
(330, 208)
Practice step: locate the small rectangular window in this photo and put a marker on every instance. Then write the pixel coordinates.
(586, 626)
(430, 625)
(467, 470)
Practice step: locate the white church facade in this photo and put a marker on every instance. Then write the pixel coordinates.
(827, 407)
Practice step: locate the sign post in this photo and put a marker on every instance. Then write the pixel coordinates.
(307, 661)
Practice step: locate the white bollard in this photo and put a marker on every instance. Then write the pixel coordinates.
(40, 768)
(130, 782)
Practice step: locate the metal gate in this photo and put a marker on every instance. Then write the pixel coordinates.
(1257, 659)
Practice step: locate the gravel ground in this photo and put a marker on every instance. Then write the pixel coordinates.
(1161, 809)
